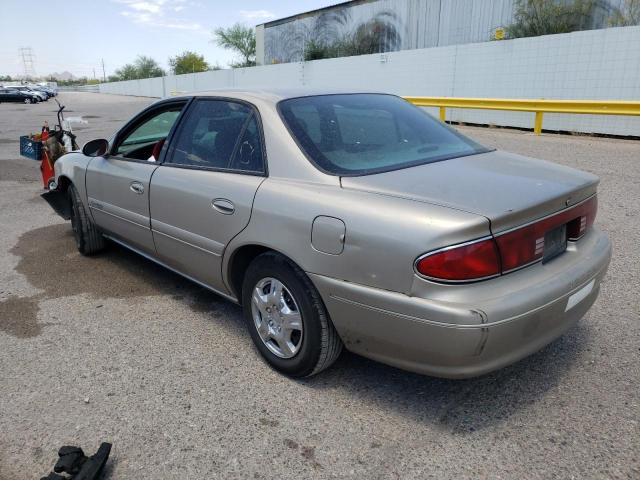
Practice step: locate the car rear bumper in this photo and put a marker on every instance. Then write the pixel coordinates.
(468, 330)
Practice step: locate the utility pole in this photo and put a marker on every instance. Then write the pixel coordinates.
(28, 60)
(94, 73)
(104, 75)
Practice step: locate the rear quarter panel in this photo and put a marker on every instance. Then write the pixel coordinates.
(384, 235)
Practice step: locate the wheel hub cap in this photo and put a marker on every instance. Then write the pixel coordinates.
(277, 317)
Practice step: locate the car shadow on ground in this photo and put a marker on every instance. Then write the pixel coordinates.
(458, 406)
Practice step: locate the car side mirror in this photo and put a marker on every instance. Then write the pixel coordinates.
(96, 148)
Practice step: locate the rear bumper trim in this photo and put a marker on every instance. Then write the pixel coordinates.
(475, 325)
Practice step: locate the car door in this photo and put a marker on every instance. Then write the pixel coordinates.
(13, 96)
(118, 184)
(202, 194)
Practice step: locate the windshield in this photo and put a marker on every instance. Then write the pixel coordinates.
(358, 134)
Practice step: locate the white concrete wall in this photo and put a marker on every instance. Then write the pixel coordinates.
(596, 64)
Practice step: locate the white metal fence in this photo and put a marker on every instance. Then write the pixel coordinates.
(596, 64)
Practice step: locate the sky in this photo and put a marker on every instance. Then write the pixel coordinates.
(76, 35)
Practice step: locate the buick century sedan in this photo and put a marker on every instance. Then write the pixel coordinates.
(346, 220)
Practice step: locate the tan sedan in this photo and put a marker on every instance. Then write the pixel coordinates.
(346, 219)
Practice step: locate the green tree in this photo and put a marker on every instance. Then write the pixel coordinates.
(626, 16)
(74, 82)
(147, 67)
(126, 72)
(545, 17)
(188, 62)
(142, 67)
(239, 38)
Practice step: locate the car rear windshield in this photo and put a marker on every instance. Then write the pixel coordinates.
(359, 134)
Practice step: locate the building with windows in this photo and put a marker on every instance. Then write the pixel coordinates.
(374, 26)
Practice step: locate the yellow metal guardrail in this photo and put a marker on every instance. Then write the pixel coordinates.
(539, 107)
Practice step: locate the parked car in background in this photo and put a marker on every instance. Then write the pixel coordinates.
(49, 89)
(41, 96)
(352, 220)
(37, 88)
(8, 94)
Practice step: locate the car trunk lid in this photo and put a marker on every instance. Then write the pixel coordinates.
(509, 189)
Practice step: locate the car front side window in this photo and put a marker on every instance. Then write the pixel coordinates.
(139, 143)
(220, 135)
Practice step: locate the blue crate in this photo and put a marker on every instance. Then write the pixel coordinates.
(30, 148)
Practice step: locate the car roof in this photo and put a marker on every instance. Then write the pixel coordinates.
(272, 95)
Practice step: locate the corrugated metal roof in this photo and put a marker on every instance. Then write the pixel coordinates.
(309, 13)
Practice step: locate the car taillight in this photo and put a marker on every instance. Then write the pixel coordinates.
(521, 247)
(586, 212)
(467, 262)
(525, 245)
(507, 251)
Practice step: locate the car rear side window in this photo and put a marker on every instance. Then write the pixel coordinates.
(220, 135)
(359, 134)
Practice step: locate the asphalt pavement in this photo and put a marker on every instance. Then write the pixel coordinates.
(114, 348)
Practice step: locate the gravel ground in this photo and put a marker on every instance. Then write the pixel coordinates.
(113, 348)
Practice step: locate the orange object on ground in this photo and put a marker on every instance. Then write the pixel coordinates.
(46, 167)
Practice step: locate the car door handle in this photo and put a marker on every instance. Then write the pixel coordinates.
(137, 187)
(223, 205)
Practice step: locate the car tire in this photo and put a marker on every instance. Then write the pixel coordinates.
(88, 238)
(317, 345)
(27, 101)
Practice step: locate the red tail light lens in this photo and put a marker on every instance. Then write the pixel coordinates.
(467, 262)
(525, 245)
(507, 251)
(522, 246)
(585, 216)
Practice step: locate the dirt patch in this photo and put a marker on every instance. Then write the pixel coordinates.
(292, 444)
(268, 422)
(49, 260)
(19, 317)
(308, 453)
